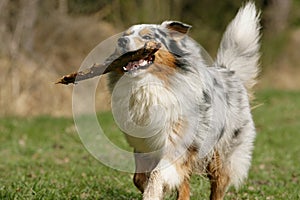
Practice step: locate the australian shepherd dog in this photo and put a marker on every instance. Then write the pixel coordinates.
(183, 114)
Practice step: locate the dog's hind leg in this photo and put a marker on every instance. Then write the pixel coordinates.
(219, 178)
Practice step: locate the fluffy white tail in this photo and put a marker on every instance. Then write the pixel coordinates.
(239, 49)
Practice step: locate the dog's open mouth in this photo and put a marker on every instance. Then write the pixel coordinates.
(140, 64)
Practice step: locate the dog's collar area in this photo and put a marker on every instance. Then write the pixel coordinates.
(140, 64)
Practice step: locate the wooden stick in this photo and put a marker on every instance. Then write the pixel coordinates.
(150, 48)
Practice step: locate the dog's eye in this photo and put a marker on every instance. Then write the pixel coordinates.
(147, 37)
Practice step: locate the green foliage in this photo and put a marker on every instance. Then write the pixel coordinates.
(295, 14)
(43, 158)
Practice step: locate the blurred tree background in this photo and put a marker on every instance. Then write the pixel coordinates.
(42, 40)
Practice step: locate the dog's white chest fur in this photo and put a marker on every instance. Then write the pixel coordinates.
(144, 109)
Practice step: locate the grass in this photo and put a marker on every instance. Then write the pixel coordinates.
(43, 158)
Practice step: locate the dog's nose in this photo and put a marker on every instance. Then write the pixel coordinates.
(122, 42)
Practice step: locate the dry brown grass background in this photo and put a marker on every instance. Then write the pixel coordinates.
(27, 83)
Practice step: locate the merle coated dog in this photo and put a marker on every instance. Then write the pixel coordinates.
(184, 115)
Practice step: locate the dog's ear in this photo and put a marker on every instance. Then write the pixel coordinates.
(176, 26)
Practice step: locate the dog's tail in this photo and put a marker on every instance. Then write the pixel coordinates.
(239, 49)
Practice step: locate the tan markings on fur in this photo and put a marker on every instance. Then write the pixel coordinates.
(164, 57)
(185, 170)
(190, 161)
(164, 66)
(171, 140)
(183, 192)
(140, 181)
(177, 129)
(219, 179)
(162, 72)
(128, 32)
(178, 126)
(138, 41)
(144, 31)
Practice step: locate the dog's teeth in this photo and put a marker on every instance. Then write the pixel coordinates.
(134, 65)
(144, 62)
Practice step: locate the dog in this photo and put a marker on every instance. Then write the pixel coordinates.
(183, 114)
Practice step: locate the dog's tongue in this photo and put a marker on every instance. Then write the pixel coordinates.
(135, 65)
(131, 66)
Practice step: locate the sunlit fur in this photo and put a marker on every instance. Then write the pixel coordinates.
(184, 114)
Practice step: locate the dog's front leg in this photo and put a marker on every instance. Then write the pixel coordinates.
(140, 177)
(144, 164)
(154, 188)
(140, 181)
(183, 191)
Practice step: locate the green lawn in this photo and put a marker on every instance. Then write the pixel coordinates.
(43, 158)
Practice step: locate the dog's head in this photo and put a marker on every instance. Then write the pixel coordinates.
(169, 33)
(175, 44)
